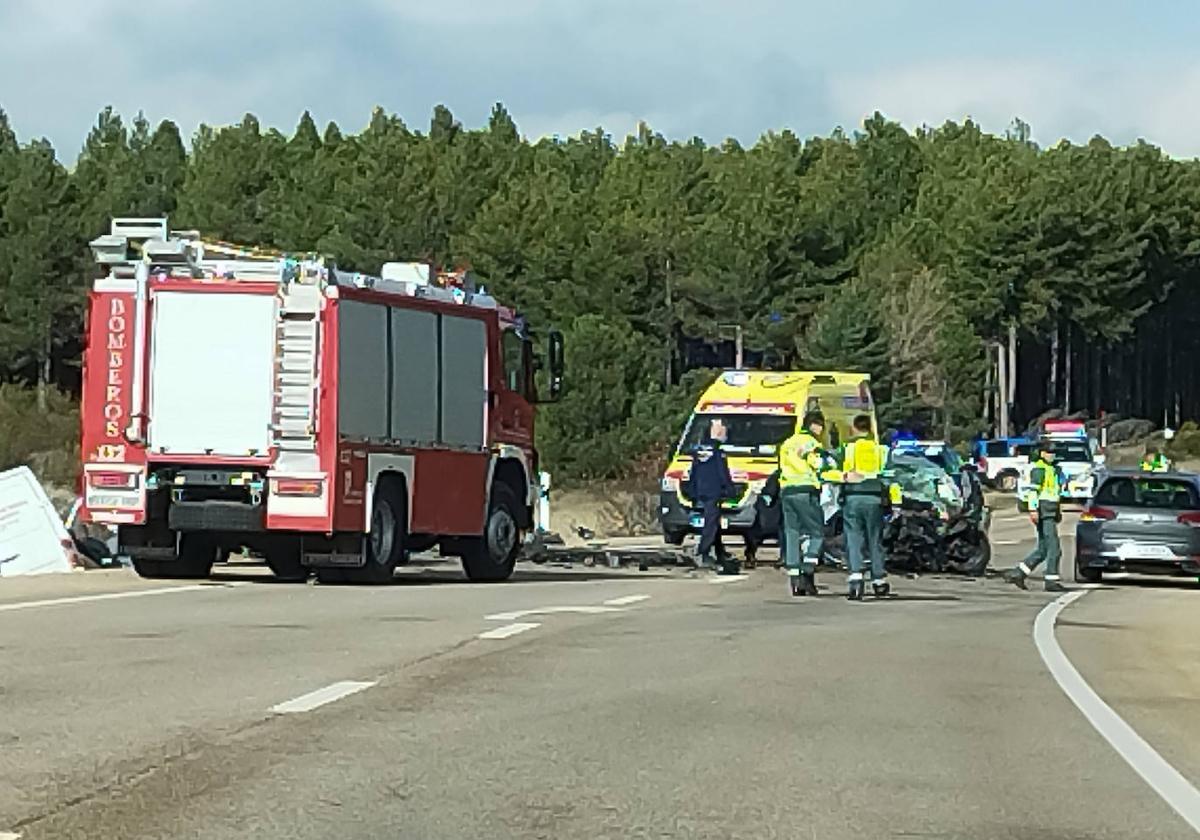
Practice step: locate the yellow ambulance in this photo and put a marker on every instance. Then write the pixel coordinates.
(759, 410)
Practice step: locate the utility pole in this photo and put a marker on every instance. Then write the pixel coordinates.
(668, 349)
(1012, 370)
(1001, 391)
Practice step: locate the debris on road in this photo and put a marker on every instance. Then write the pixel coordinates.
(33, 540)
(603, 553)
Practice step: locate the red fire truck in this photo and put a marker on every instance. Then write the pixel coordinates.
(324, 419)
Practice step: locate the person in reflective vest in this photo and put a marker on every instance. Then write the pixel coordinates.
(863, 464)
(800, 462)
(1044, 502)
(1155, 461)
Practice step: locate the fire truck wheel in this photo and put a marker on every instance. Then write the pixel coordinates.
(197, 553)
(385, 543)
(493, 556)
(284, 561)
(153, 569)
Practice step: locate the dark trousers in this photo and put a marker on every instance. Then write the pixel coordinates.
(710, 534)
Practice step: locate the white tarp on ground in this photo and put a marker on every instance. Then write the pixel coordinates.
(33, 539)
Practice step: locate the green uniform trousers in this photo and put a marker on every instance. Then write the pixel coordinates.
(862, 516)
(802, 517)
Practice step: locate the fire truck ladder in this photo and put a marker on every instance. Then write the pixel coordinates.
(296, 374)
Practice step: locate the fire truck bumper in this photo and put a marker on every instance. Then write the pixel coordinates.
(215, 515)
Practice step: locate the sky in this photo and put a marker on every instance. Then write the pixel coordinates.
(708, 68)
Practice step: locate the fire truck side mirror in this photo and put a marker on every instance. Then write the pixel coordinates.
(557, 363)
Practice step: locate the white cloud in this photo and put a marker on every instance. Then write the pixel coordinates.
(686, 67)
(1058, 99)
(572, 123)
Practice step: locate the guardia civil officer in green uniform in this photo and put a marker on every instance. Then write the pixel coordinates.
(800, 461)
(1044, 501)
(863, 463)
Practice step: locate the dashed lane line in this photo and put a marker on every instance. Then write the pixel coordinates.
(626, 600)
(508, 630)
(583, 610)
(113, 596)
(1166, 781)
(321, 697)
(729, 578)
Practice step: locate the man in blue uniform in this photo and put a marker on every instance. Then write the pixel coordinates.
(710, 484)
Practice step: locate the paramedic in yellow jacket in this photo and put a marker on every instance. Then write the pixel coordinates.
(863, 463)
(800, 462)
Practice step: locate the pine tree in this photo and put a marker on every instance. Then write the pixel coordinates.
(159, 168)
(231, 171)
(40, 300)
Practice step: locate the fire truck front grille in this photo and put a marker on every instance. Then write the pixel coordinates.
(215, 516)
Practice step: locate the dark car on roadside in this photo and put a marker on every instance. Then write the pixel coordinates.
(1141, 523)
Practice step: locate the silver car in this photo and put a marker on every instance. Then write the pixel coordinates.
(1144, 523)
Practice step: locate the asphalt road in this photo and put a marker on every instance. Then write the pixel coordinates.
(583, 703)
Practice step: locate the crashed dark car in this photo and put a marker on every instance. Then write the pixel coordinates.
(939, 522)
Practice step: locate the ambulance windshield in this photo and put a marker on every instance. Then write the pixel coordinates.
(746, 434)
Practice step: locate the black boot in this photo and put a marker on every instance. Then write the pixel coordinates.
(808, 585)
(882, 590)
(728, 565)
(1016, 577)
(1055, 586)
(856, 591)
(797, 585)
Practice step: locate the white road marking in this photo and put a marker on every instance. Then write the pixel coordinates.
(508, 630)
(729, 578)
(516, 614)
(1006, 542)
(625, 600)
(318, 698)
(113, 596)
(8, 835)
(1166, 781)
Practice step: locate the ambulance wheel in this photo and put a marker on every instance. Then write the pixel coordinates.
(492, 556)
(674, 537)
(385, 543)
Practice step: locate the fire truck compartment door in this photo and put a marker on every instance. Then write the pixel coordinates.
(211, 373)
(464, 381)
